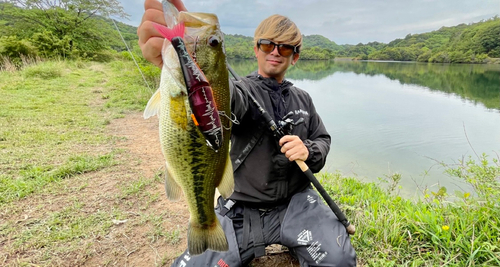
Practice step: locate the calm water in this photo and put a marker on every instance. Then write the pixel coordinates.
(394, 117)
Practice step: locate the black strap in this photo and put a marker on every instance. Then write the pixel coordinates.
(225, 205)
(246, 229)
(248, 148)
(251, 221)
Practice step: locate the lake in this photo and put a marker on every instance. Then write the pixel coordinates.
(402, 117)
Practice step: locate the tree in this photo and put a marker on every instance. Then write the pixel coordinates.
(74, 21)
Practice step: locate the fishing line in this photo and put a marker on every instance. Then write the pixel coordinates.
(132, 55)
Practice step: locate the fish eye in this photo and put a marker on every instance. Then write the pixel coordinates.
(213, 41)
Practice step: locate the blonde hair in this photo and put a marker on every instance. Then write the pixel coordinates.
(279, 29)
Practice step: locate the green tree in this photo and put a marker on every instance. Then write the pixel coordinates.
(72, 24)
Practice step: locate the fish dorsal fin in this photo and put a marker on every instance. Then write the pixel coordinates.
(226, 185)
(154, 105)
(170, 13)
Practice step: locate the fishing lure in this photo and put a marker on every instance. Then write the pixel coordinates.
(204, 112)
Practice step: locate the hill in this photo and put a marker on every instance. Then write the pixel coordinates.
(471, 43)
(96, 37)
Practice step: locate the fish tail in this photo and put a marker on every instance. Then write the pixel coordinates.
(176, 31)
(202, 238)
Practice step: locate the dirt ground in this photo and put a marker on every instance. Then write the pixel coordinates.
(149, 229)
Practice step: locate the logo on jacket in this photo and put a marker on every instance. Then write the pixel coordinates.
(304, 237)
(301, 112)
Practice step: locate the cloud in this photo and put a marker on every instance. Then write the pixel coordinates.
(342, 21)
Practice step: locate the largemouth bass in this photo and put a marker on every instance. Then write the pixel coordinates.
(192, 166)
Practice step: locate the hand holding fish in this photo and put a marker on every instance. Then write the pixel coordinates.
(150, 41)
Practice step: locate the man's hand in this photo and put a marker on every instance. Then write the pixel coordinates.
(150, 40)
(293, 148)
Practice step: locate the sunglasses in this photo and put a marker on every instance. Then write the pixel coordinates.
(267, 46)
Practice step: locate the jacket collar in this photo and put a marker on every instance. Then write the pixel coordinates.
(270, 84)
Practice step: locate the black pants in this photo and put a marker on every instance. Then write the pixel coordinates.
(306, 226)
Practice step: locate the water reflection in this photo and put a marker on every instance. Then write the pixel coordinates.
(477, 83)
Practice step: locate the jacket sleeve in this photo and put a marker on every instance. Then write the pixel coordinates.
(241, 103)
(239, 98)
(318, 141)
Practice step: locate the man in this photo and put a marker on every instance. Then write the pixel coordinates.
(273, 202)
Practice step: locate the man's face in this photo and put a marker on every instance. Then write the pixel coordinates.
(273, 64)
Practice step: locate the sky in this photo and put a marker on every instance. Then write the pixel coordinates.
(341, 21)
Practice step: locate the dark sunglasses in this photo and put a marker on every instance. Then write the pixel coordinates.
(285, 50)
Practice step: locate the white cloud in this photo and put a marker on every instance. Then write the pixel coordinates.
(342, 21)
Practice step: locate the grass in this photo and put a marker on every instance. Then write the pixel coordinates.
(432, 231)
(32, 178)
(51, 111)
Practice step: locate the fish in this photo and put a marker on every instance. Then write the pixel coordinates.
(193, 167)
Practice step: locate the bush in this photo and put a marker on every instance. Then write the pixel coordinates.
(14, 48)
(50, 46)
(481, 58)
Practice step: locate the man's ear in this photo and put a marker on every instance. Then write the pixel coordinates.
(295, 58)
(256, 51)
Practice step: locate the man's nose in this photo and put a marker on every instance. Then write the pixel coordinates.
(275, 51)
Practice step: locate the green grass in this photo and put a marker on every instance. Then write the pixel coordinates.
(432, 231)
(51, 114)
(32, 178)
(64, 226)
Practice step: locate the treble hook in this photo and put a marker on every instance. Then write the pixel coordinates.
(194, 50)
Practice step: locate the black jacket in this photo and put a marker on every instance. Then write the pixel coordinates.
(262, 173)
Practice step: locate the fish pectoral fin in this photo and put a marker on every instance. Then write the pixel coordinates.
(226, 185)
(154, 104)
(173, 190)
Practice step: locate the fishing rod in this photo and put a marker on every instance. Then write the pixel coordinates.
(278, 132)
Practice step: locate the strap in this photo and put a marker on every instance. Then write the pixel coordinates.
(251, 221)
(258, 236)
(248, 148)
(246, 229)
(224, 209)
